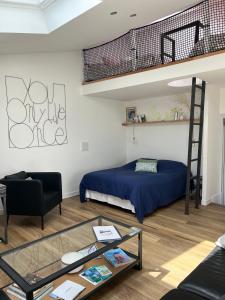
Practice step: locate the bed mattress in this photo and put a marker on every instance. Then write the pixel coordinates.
(123, 203)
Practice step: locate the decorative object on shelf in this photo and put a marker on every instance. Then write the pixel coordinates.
(130, 114)
(140, 118)
(70, 258)
(181, 117)
(143, 118)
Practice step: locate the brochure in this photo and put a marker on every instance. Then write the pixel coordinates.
(68, 290)
(106, 233)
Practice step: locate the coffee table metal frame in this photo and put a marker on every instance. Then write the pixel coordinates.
(29, 289)
(4, 238)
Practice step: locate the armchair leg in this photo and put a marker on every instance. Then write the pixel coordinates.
(42, 223)
(60, 208)
(7, 219)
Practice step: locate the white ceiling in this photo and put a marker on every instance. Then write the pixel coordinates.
(93, 27)
(161, 88)
(27, 3)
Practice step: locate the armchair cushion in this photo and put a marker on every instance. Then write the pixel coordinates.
(51, 180)
(19, 175)
(24, 197)
(51, 199)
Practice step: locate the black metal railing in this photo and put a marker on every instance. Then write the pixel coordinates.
(195, 31)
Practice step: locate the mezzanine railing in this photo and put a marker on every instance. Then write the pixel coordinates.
(195, 31)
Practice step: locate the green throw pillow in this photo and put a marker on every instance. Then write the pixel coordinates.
(146, 165)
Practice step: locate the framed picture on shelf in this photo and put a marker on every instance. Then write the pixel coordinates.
(130, 114)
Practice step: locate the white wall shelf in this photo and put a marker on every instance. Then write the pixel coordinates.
(157, 122)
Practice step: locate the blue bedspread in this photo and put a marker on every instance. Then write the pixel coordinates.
(146, 191)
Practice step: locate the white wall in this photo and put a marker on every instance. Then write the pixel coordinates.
(169, 141)
(97, 121)
(212, 147)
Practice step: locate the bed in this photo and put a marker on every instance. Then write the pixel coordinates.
(143, 191)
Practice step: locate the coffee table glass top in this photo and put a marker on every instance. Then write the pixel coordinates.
(43, 257)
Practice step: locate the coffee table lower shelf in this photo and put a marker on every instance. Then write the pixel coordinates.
(90, 288)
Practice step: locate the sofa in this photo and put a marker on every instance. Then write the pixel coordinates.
(32, 193)
(206, 282)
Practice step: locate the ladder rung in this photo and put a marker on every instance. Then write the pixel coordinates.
(193, 177)
(195, 142)
(194, 159)
(199, 86)
(195, 123)
(197, 105)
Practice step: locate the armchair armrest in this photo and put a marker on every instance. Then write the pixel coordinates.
(24, 197)
(51, 180)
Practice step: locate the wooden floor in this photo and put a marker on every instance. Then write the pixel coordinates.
(173, 244)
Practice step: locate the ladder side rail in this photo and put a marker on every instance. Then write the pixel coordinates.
(200, 145)
(191, 126)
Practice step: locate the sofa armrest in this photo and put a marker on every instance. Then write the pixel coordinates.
(178, 294)
(51, 180)
(24, 196)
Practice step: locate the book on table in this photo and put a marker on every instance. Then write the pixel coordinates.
(96, 274)
(117, 257)
(15, 290)
(106, 233)
(68, 290)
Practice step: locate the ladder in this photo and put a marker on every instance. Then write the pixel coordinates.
(195, 125)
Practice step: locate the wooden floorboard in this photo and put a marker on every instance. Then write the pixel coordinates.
(173, 243)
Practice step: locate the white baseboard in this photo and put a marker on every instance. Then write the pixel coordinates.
(216, 198)
(206, 202)
(70, 194)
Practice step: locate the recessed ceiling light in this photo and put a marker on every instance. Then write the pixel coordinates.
(184, 82)
(113, 13)
(133, 15)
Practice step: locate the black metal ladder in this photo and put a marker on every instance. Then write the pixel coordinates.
(193, 123)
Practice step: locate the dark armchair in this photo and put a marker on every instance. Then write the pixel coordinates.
(3, 295)
(33, 193)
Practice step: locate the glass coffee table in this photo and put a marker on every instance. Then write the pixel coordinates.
(42, 258)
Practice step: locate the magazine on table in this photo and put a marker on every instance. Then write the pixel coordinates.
(96, 274)
(68, 290)
(117, 257)
(106, 233)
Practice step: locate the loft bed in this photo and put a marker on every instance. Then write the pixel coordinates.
(140, 192)
(193, 32)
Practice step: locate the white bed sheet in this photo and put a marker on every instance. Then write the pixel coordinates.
(126, 204)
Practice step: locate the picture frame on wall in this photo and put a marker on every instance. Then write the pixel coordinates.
(130, 114)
